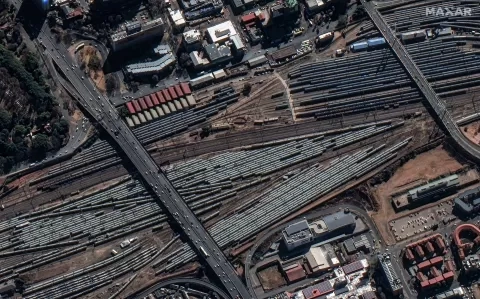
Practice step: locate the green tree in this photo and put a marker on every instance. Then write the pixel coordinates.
(43, 118)
(5, 119)
(123, 112)
(40, 145)
(110, 83)
(94, 63)
(20, 131)
(247, 87)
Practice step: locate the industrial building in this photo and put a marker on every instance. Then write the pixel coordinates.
(428, 192)
(204, 10)
(392, 282)
(468, 202)
(321, 260)
(471, 263)
(333, 225)
(177, 19)
(297, 234)
(356, 244)
(225, 33)
(455, 293)
(254, 62)
(136, 33)
(192, 40)
(166, 60)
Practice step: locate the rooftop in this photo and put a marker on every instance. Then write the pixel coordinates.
(192, 36)
(129, 27)
(221, 32)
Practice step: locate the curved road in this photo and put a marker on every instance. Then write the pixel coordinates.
(180, 281)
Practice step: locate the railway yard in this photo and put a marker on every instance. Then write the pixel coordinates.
(327, 175)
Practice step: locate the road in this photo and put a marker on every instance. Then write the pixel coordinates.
(105, 114)
(441, 112)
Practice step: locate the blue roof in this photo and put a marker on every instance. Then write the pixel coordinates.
(376, 41)
(359, 46)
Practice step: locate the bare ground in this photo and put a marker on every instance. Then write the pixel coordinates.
(424, 167)
(271, 278)
(471, 132)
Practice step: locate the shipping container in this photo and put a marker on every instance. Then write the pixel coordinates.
(160, 97)
(172, 107)
(166, 109)
(160, 111)
(136, 106)
(184, 103)
(166, 95)
(172, 92)
(154, 113)
(136, 121)
(130, 108)
(185, 88)
(178, 90)
(155, 100)
(148, 116)
(148, 101)
(142, 103)
(177, 104)
(142, 118)
(191, 101)
(130, 122)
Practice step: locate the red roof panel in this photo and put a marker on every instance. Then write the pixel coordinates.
(148, 101)
(178, 90)
(172, 92)
(424, 265)
(295, 274)
(130, 108)
(448, 275)
(155, 100)
(136, 105)
(142, 103)
(166, 95)
(160, 97)
(185, 88)
(436, 260)
(249, 18)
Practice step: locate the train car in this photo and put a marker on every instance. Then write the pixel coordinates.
(130, 108)
(148, 101)
(160, 97)
(172, 92)
(166, 95)
(154, 98)
(178, 90)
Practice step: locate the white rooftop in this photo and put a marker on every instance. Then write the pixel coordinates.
(221, 32)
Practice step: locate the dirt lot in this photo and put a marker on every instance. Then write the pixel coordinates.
(424, 167)
(271, 278)
(97, 76)
(471, 132)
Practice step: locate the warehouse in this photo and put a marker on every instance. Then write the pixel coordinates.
(283, 54)
(297, 234)
(202, 80)
(153, 67)
(319, 260)
(254, 62)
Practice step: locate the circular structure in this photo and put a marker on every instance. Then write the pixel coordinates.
(194, 288)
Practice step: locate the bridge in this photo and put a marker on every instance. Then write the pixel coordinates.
(441, 112)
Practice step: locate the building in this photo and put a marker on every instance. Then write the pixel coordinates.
(7, 288)
(321, 260)
(297, 234)
(455, 293)
(259, 60)
(283, 54)
(225, 33)
(294, 273)
(433, 188)
(468, 202)
(333, 225)
(471, 263)
(392, 282)
(202, 80)
(192, 40)
(357, 243)
(283, 12)
(136, 33)
(166, 60)
(209, 9)
(178, 21)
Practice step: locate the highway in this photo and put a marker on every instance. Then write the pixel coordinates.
(105, 114)
(441, 112)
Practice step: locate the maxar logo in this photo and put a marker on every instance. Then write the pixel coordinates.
(448, 11)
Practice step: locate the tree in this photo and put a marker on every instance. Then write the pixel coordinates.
(110, 83)
(118, 18)
(154, 78)
(43, 118)
(40, 145)
(247, 87)
(5, 119)
(123, 112)
(94, 63)
(52, 18)
(134, 85)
